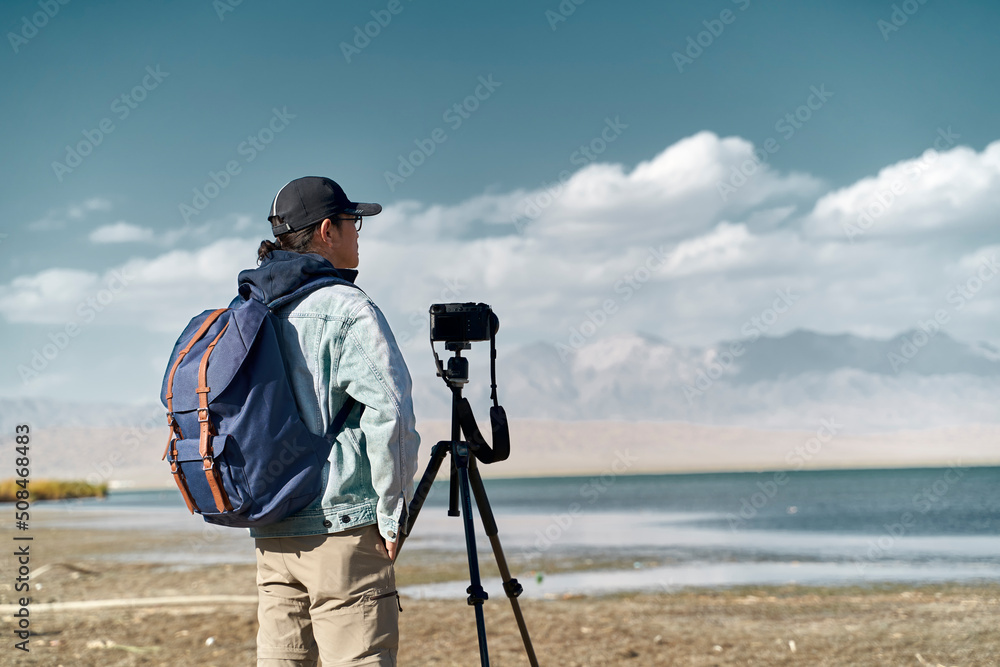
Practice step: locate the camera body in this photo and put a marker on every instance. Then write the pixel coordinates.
(463, 322)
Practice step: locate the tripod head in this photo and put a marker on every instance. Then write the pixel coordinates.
(458, 325)
(457, 372)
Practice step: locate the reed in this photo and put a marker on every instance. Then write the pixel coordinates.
(52, 489)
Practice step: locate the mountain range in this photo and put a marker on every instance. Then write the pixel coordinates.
(729, 405)
(910, 381)
(786, 382)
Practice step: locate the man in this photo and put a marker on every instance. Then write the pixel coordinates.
(325, 579)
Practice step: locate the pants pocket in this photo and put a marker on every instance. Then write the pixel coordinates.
(366, 633)
(382, 622)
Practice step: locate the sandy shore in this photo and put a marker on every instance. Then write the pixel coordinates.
(897, 625)
(557, 448)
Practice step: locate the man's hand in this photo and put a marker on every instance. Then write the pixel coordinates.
(390, 548)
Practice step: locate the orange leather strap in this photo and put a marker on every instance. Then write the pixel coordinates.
(182, 483)
(207, 431)
(175, 431)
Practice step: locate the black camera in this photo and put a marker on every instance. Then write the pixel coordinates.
(462, 322)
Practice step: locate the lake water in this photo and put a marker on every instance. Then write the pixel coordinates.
(666, 531)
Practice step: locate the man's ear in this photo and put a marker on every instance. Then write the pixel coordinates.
(328, 232)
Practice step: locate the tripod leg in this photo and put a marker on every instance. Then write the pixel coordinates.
(456, 435)
(453, 491)
(477, 596)
(510, 585)
(441, 450)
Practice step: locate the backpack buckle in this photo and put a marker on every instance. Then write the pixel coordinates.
(206, 417)
(172, 423)
(209, 463)
(170, 446)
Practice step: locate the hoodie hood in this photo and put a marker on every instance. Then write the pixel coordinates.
(282, 273)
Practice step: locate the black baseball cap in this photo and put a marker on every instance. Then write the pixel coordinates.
(309, 200)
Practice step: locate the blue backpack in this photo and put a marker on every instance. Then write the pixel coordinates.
(238, 450)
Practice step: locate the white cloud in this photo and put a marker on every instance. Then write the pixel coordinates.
(44, 385)
(581, 243)
(121, 232)
(659, 243)
(80, 211)
(244, 223)
(47, 297)
(158, 294)
(56, 218)
(950, 192)
(213, 229)
(723, 247)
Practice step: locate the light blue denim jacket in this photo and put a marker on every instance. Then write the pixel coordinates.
(336, 342)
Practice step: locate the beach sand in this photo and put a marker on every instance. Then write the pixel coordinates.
(892, 625)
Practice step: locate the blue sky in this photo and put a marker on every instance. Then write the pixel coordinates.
(200, 79)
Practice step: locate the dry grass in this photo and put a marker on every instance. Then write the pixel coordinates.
(51, 489)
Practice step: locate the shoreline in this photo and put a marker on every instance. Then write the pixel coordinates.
(437, 569)
(117, 489)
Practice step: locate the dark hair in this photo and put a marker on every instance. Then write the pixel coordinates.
(298, 241)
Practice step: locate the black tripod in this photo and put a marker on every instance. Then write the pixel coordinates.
(465, 475)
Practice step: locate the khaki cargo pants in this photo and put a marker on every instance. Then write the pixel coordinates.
(327, 596)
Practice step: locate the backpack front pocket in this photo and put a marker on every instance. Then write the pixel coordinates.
(224, 465)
